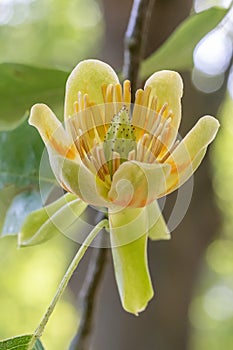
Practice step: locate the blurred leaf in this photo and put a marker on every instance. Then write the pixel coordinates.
(21, 86)
(20, 343)
(20, 155)
(21, 206)
(177, 51)
(53, 219)
(7, 194)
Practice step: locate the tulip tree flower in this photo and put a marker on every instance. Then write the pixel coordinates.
(123, 157)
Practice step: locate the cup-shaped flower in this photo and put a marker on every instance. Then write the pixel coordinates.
(123, 157)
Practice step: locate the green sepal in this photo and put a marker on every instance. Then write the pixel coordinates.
(157, 225)
(55, 218)
(128, 232)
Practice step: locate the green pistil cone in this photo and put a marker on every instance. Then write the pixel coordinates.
(120, 138)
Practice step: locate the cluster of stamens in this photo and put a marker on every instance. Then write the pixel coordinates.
(106, 136)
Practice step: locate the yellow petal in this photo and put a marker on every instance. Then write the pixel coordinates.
(137, 184)
(167, 86)
(88, 77)
(130, 259)
(52, 131)
(188, 155)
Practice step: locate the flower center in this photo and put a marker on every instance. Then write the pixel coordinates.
(106, 135)
(119, 139)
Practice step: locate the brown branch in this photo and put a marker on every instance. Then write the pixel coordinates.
(87, 298)
(135, 39)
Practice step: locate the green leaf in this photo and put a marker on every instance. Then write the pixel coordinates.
(21, 86)
(55, 218)
(20, 155)
(177, 51)
(22, 342)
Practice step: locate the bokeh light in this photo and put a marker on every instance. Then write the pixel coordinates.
(207, 83)
(218, 302)
(211, 311)
(230, 83)
(213, 53)
(201, 5)
(57, 32)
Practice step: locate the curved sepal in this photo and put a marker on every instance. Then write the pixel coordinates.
(130, 259)
(53, 219)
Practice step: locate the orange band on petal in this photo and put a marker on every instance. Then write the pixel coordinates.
(69, 153)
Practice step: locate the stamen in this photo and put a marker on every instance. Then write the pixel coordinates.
(127, 92)
(109, 106)
(170, 151)
(163, 108)
(85, 100)
(116, 161)
(146, 96)
(109, 93)
(158, 119)
(142, 147)
(86, 116)
(79, 148)
(102, 159)
(132, 155)
(152, 115)
(145, 140)
(154, 103)
(97, 168)
(85, 145)
(98, 119)
(118, 93)
(80, 100)
(159, 146)
(104, 91)
(137, 107)
(150, 157)
(76, 107)
(86, 161)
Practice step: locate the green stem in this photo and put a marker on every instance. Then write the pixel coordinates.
(66, 278)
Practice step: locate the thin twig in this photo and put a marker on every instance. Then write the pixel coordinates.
(135, 39)
(72, 267)
(87, 298)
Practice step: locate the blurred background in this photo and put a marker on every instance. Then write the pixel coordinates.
(193, 273)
